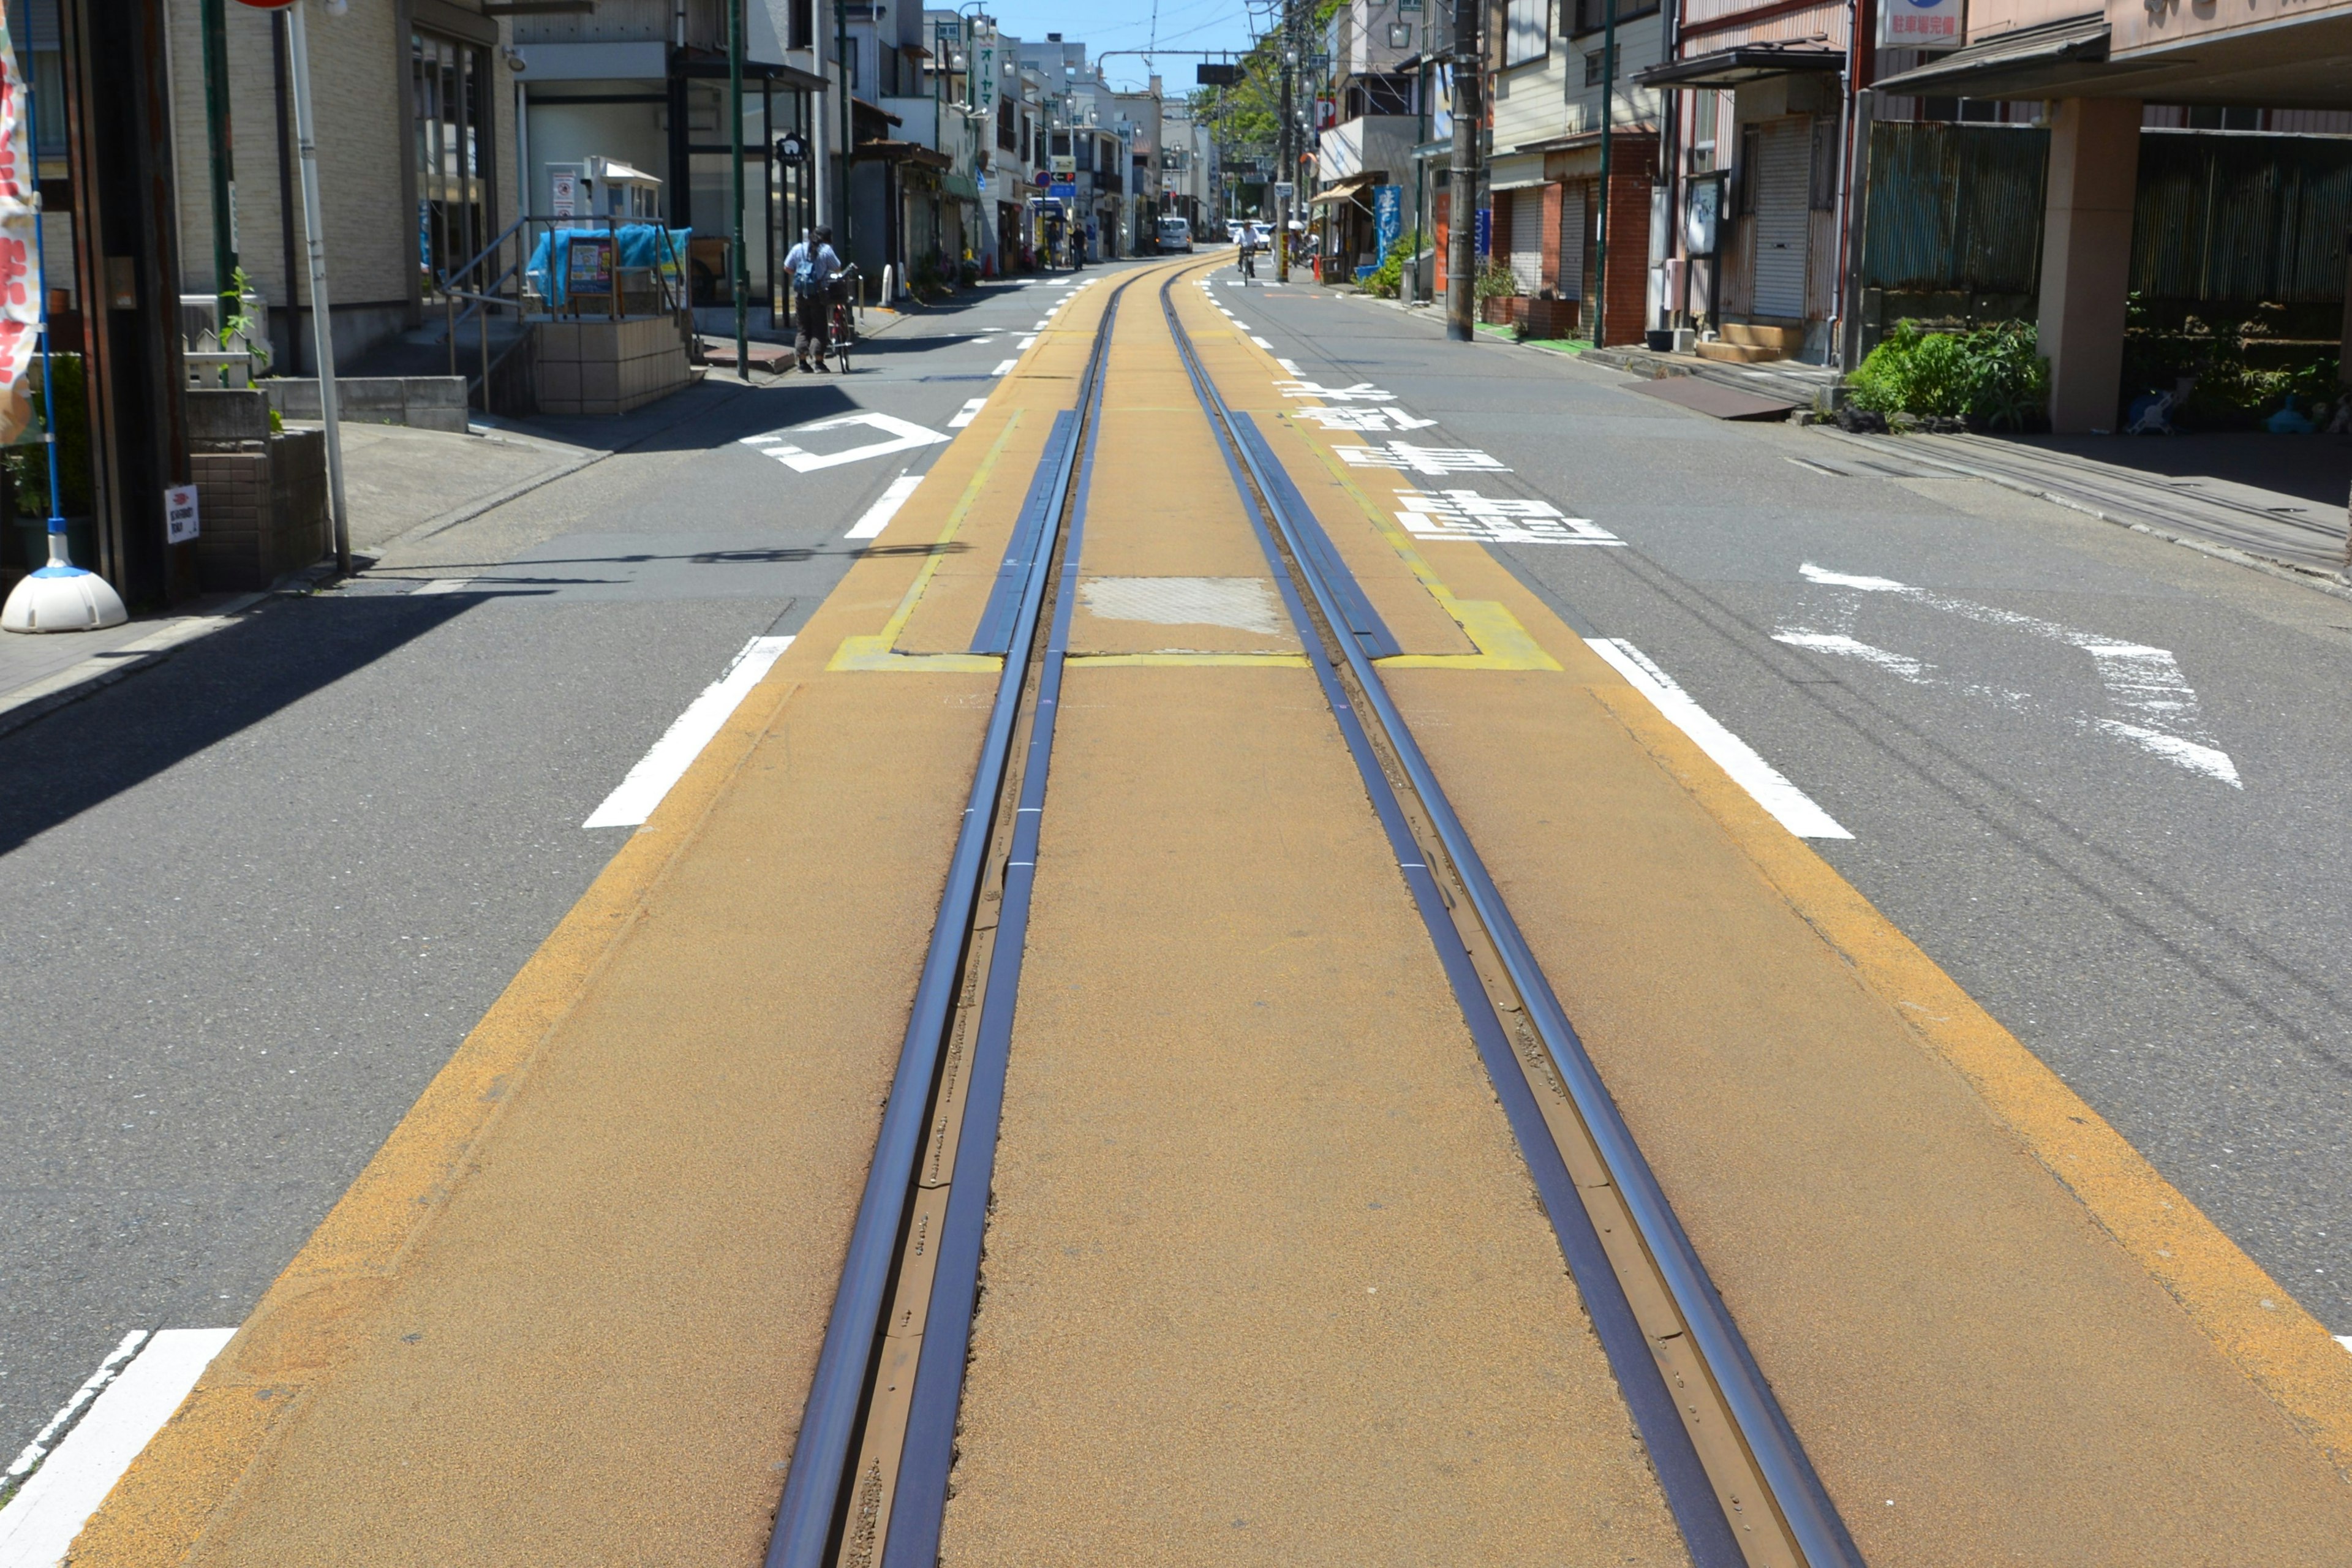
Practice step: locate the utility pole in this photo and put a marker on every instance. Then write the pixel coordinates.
(213, 17)
(1286, 172)
(1608, 125)
(740, 271)
(1462, 237)
(841, 59)
(306, 135)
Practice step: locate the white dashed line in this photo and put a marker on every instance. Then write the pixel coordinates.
(968, 413)
(1005, 368)
(878, 516)
(1794, 809)
(650, 780)
(40, 1522)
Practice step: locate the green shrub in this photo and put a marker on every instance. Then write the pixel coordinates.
(1496, 282)
(1995, 376)
(1388, 278)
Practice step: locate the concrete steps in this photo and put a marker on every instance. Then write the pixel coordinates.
(1743, 343)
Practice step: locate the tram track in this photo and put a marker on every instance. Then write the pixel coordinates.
(868, 1482)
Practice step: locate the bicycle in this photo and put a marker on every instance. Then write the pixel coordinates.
(1249, 263)
(843, 328)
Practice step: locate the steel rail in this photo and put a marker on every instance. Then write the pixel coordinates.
(1797, 1495)
(816, 1485)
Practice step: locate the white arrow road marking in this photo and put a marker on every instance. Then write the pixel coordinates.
(2156, 706)
(904, 436)
(1791, 806)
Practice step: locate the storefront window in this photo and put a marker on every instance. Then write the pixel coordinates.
(448, 82)
(1703, 121)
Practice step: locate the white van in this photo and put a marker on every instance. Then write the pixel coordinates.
(1174, 233)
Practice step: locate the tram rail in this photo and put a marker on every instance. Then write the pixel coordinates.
(870, 1477)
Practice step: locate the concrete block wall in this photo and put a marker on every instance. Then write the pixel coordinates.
(261, 509)
(422, 402)
(608, 367)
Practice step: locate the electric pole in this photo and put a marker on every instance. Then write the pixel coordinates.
(1286, 172)
(1461, 237)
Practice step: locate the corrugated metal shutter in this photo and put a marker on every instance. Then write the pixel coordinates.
(1955, 207)
(1572, 242)
(1526, 240)
(1784, 157)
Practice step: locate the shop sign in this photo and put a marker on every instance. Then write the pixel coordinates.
(792, 148)
(1702, 210)
(1919, 24)
(565, 184)
(20, 278)
(179, 513)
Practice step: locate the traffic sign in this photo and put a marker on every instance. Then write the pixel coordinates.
(1044, 179)
(1068, 193)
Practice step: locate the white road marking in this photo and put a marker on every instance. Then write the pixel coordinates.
(1789, 806)
(1496, 520)
(444, 586)
(650, 780)
(1043, 325)
(903, 435)
(1364, 418)
(1896, 664)
(2159, 706)
(1260, 342)
(1001, 369)
(2345, 1340)
(1028, 341)
(1361, 392)
(968, 413)
(40, 1522)
(878, 516)
(47, 1437)
(1290, 365)
(1406, 455)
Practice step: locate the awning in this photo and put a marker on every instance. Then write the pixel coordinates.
(1347, 190)
(960, 185)
(1741, 64)
(902, 153)
(2026, 62)
(1515, 171)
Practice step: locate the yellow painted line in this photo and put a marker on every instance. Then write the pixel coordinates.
(877, 651)
(2247, 1315)
(1196, 660)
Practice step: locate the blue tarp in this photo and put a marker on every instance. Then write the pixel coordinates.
(642, 245)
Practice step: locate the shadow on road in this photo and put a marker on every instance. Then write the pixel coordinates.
(85, 753)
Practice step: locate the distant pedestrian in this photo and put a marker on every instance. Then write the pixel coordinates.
(811, 265)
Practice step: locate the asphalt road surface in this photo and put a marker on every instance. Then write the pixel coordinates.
(261, 891)
(2098, 777)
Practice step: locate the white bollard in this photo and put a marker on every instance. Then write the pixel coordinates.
(890, 286)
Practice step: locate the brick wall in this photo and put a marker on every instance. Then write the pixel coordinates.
(1623, 314)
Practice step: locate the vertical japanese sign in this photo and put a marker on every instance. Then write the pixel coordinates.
(1388, 218)
(20, 272)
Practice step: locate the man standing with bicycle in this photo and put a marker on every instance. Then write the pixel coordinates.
(811, 265)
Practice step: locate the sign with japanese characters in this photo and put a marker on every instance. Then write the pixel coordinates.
(1920, 24)
(180, 523)
(20, 271)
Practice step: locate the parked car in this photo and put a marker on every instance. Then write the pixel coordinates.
(1174, 233)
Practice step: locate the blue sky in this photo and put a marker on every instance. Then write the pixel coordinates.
(1127, 25)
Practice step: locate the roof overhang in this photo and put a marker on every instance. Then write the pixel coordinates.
(902, 153)
(2299, 62)
(1349, 189)
(2041, 61)
(1741, 64)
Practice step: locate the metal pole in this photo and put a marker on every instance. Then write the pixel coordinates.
(214, 14)
(848, 132)
(1608, 123)
(738, 271)
(1287, 168)
(321, 325)
(1462, 239)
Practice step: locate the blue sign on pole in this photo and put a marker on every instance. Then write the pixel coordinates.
(1485, 231)
(1068, 193)
(1388, 218)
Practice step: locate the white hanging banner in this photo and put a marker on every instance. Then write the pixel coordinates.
(20, 271)
(1920, 24)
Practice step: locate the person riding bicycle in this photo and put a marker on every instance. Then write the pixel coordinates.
(813, 265)
(1249, 251)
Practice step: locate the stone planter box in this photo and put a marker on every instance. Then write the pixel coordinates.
(261, 500)
(607, 367)
(1538, 318)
